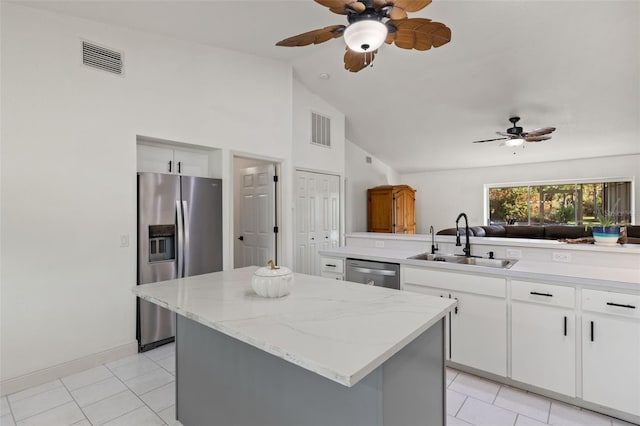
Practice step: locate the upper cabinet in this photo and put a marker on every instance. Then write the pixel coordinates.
(161, 158)
(391, 209)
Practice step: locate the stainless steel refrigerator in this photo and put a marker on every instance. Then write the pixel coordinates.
(179, 235)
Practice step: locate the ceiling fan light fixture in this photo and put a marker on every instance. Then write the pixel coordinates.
(514, 142)
(366, 35)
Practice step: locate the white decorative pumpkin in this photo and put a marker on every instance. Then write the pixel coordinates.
(272, 281)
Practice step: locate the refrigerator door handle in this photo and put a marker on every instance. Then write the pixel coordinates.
(180, 231)
(185, 230)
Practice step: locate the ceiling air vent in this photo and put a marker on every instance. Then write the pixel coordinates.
(320, 130)
(102, 58)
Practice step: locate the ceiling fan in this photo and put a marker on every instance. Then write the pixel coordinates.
(515, 136)
(372, 23)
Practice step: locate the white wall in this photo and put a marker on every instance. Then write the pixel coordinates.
(442, 195)
(360, 176)
(315, 157)
(69, 162)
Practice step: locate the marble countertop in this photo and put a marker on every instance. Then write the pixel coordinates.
(337, 329)
(591, 275)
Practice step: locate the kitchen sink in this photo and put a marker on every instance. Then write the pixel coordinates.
(452, 258)
(462, 260)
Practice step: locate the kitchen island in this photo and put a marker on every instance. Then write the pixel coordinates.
(329, 353)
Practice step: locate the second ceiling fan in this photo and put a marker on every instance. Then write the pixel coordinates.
(372, 23)
(515, 135)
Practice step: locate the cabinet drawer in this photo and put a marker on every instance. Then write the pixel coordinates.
(477, 284)
(609, 302)
(332, 275)
(331, 264)
(545, 294)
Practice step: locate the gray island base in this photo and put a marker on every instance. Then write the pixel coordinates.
(222, 381)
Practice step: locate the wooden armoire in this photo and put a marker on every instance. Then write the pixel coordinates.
(391, 209)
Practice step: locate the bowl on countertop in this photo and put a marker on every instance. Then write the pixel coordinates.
(272, 281)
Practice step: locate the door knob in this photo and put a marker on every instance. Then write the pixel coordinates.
(241, 238)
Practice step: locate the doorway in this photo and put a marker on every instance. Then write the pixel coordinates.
(255, 212)
(317, 218)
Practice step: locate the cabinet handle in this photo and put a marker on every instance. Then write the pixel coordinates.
(330, 265)
(456, 308)
(541, 294)
(179, 166)
(621, 306)
(565, 325)
(170, 166)
(592, 333)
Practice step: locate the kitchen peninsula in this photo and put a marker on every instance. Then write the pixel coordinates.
(562, 320)
(331, 352)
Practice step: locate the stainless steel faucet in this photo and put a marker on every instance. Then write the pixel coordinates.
(467, 245)
(434, 246)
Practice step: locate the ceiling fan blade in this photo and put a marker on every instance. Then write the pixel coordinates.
(411, 5)
(339, 6)
(355, 61)
(418, 33)
(537, 138)
(313, 37)
(490, 140)
(509, 135)
(541, 131)
(397, 13)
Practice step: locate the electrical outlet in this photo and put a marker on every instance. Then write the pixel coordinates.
(380, 244)
(514, 254)
(124, 240)
(561, 257)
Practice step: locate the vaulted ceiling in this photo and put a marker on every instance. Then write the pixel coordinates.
(572, 64)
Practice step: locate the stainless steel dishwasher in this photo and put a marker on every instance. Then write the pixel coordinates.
(373, 273)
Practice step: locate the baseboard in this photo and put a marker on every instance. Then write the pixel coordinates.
(49, 374)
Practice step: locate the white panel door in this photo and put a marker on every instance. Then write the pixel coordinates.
(257, 215)
(479, 332)
(317, 218)
(543, 346)
(611, 362)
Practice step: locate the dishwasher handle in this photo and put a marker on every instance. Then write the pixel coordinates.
(384, 272)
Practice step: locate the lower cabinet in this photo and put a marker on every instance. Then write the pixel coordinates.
(479, 332)
(543, 336)
(332, 267)
(478, 325)
(611, 350)
(551, 334)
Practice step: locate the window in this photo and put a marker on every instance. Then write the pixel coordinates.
(559, 202)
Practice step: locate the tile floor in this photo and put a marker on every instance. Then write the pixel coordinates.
(139, 390)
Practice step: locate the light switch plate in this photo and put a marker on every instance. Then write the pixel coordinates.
(380, 244)
(124, 240)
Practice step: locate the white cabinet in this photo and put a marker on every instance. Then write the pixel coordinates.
(160, 158)
(332, 267)
(479, 332)
(543, 336)
(611, 350)
(478, 325)
(431, 291)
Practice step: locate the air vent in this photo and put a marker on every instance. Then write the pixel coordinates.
(102, 58)
(320, 130)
